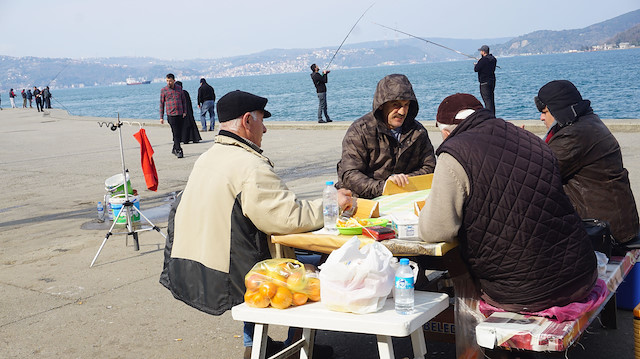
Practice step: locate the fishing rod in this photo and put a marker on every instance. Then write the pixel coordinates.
(345, 38)
(425, 40)
(59, 72)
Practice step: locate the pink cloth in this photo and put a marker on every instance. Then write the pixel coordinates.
(571, 311)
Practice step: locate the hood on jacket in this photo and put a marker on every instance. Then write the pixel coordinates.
(563, 100)
(394, 87)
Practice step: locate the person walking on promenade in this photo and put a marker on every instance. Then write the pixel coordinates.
(219, 227)
(38, 95)
(30, 98)
(0, 102)
(12, 98)
(206, 104)
(486, 69)
(189, 128)
(319, 82)
(172, 97)
(24, 98)
(46, 96)
(589, 158)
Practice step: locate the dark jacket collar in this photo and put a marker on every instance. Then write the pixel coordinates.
(241, 139)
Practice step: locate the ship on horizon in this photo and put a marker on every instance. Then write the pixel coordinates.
(132, 81)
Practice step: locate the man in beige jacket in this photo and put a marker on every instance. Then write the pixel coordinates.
(232, 203)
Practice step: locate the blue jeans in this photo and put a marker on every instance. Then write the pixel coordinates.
(207, 106)
(322, 106)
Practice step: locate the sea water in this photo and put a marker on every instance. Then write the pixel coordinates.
(610, 79)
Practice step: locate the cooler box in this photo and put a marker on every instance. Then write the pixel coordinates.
(628, 293)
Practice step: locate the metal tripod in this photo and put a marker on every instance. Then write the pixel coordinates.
(128, 209)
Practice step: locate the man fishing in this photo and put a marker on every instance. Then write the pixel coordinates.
(319, 82)
(486, 69)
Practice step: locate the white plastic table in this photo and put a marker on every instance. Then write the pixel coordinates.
(385, 324)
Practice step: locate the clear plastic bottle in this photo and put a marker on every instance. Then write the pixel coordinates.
(330, 207)
(100, 212)
(403, 295)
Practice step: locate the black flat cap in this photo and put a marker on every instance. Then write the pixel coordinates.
(236, 103)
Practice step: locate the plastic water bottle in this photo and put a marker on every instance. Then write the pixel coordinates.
(330, 206)
(100, 212)
(403, 295)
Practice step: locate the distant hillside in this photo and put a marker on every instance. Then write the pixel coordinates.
(632, 36)
(546, 41)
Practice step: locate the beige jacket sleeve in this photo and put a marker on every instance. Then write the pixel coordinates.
(441, 217)
(274, 208)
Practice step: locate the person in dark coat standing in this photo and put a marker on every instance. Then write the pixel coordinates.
(206, 104)
(486, 69)
(589, 158)
(319, 81)
(189, 129)
(38, 96)
(24, 98)
(30, 98)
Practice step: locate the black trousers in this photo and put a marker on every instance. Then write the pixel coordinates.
(486, 91)
(176, 123)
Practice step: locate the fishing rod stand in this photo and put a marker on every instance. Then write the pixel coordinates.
(128, 208)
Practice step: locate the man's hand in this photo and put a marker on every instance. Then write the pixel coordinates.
(399, 179)
(198, 106)
(326, 72)
(184, 115)
(161, 120)
(345, 201)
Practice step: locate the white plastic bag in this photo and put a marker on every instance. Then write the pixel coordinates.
(356, 280)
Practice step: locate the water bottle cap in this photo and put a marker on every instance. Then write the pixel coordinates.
(99, 202)
(404, 262)
(329, 183)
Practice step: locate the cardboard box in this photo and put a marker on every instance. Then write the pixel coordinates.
(405, 225)
(442, 327)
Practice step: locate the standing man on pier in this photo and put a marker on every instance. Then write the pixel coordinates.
(486, 69)
(319, 81)
(171, 96)
(206, 103)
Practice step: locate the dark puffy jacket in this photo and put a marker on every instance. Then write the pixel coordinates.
(370, 152)
(594, 176)
(205, 93)
(486, 68)
(521, 237)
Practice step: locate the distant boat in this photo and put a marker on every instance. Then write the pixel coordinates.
(131, 81)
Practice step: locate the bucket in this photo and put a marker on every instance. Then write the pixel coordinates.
(115, 184)
(117, 202)
(628, 293)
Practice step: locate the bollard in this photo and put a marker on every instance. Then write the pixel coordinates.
(636, 330)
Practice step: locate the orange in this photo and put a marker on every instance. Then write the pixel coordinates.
(299, 298)
(268, 289)
(313, 289)
(282, 299)
(253, 280)
(297, 281)
(255, 299)
(276, 278)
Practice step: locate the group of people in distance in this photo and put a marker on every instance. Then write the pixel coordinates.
(179, 109)
(43, 98)
(513, 201)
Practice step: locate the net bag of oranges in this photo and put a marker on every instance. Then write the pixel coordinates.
(280, 283)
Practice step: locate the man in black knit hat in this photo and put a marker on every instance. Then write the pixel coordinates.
(589, 158)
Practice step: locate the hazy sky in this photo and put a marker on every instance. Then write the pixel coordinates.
(211, 29)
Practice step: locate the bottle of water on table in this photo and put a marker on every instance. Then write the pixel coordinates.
(100, 212)
(330, 206)
(403, 295)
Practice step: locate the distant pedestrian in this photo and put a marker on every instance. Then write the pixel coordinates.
(206, 104)
(172, 97)
(486, 69)
(319, 81)
(46, 97)
(0, 102)
(24, 99)
(189, 128)
(30, 98)
(38, 96)
(12, 96)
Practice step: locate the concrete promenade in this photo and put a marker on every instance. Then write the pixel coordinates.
(52, 169)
